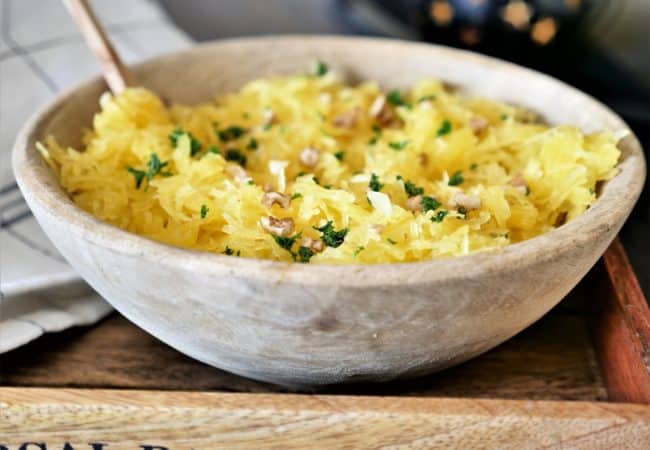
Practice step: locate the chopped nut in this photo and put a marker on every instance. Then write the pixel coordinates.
(478, 124)
(273, 197)
(238, 173)
(413, 203)
(378, 228)
(382, 113)
(309, 157)
(314, 244)
(278, 227)
(468, 202)
(317, 245)
(423, 158)
(268, 187)
(519, 183)
(347, 119)
(268, 118)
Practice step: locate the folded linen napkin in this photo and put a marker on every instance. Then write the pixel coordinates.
(41, 53)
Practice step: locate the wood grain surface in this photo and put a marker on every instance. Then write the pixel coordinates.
(545, 361)
(621, 329)
(182, 420)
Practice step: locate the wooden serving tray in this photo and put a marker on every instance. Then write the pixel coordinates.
(578, 378)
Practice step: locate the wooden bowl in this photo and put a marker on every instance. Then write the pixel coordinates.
(303, 324)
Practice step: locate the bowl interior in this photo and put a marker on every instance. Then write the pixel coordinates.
(210, 69)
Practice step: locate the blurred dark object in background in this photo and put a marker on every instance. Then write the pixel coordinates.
(600, 46)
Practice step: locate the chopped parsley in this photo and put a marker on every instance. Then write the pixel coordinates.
(252, 144)
(473, 166)
(233, 154)
(296, 195)
(504, 116)
(214, 149)
(439, 216)
(195, 145)
(429, 204)
(359, 250)
(456, 179)
(426, 97)
(154, 167)
(330, 236)
(204, 211)
(320, 68)
(230, 133)
(286, 242)
(390, 241)
(339, 155)
(372, 140)
(376, 128)
(251, 182)
(395, 98)
(462, 210)
(398, 145)
(445, 128)
(229, 251)
(305, 254)
(374, 183)
(412, 189)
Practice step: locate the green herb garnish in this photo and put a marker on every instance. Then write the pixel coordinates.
(439, 216)
(412, 189)
(286, 242)
(456, 179)
(204, 211)
(305, 254)
(252, 144)
(359, 249)
(233, 154)
(296, 195)
(214, 149)
(372, 140)
(339, 155)
(330, 236)
(390, 241)
(230, 133)
(445, 128)
(154, 167)
(320, 68)
(229, 251)
(462, 210)
(473, 166)
(429, 204)
(398, 145)
(395, 98)
(195, 144)
(374, 183)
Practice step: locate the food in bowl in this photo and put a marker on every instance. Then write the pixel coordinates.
(306, 168)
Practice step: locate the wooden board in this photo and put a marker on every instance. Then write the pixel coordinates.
(549, 386)
(132, 419)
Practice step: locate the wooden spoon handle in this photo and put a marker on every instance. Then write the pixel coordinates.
(115, 73)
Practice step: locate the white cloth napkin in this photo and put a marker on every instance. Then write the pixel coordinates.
(41, 53)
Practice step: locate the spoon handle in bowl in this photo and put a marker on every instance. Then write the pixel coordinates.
(117, 76)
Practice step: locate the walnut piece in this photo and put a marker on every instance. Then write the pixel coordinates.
(413, 203)
(468, 202)
(347, 119)
(272, 197)
(309, 157)
(478, 124)
(277, 227)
